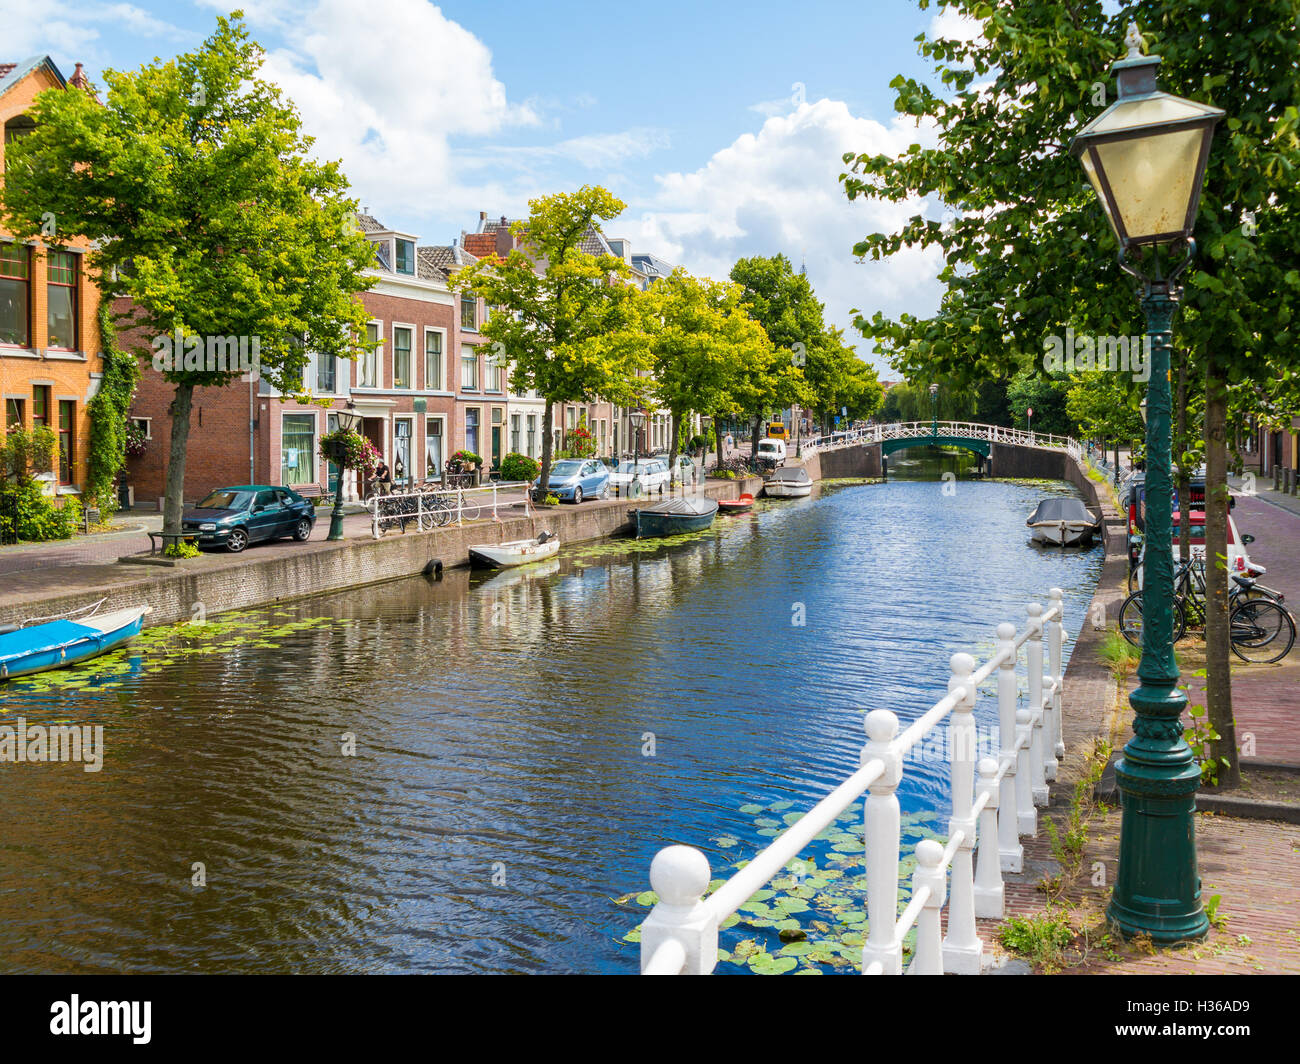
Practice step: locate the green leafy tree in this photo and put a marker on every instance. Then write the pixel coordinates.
(1030, 252)
(108, 410)
(193, 181)
(563, 313)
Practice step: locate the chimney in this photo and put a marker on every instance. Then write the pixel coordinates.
(503, 220)
(482, 216)
(79, 78)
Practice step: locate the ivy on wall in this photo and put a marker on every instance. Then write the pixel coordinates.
(108, 415)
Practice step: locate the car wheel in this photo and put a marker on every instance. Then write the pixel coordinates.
(577, 495)
(237, 541)
(302, 530)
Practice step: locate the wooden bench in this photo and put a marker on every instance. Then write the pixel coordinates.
(162, 540)
(314, 492)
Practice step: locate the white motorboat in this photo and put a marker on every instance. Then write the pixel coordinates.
(1062, 522)
(789, 482)
(515, 552)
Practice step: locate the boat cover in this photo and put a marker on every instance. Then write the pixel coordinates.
(42, 638)
(1054, 511)
(796, 474)
(683, 507)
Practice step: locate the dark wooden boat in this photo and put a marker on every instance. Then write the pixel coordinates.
(673, 517)
(736, 506)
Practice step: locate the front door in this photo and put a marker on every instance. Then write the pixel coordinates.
(402, 451)
(496, 446)
(332, 424)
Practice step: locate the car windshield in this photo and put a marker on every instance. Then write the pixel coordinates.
(565, 469)
(226, 500)
(638, 467)
(765, 446)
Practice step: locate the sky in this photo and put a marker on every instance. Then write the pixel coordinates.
(720, 125)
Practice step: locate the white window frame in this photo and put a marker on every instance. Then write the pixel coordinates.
(379, 359)
(424, 447)
(392, 447)
(413, 330)
(319, 464)
(424, 361)
(144, 422)
(477, 388)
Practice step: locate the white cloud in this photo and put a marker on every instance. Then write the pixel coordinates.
(777, 190)
(70, 32)
(950, 24)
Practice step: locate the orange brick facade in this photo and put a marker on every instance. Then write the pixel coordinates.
(41, 383)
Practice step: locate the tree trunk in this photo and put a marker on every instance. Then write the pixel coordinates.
(1184, 485)
(753, 439)
(174, 499)
(1218, 679)
(717, 440)
(548, 420)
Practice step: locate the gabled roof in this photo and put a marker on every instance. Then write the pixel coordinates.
(439, 262)
(12, 73)
(651, 265)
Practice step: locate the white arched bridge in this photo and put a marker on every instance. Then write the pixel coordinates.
(966, 434)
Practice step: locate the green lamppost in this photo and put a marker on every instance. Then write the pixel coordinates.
(934, 411)
(1145, 156)
(348, 420)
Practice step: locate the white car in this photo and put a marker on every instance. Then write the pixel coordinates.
(1239, 562)
(651, 474)
(772, 451)
(685, 467)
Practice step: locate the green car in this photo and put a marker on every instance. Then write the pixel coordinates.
(235, 517)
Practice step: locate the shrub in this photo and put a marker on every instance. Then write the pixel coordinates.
(27, 514)
(181, 549)
(517, 466)
(467, 458)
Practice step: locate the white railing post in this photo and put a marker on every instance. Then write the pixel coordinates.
(1034, 660)
(962, 948)
(1026, 814)
(460, 507)
(929, 873)
(680, 876)
(883, 837)
(988, 871)
(419, 510)
(374, 517)
(1055, 647)
(494, 502)
(1011, 854)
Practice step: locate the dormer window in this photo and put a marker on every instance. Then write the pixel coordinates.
(406, 257)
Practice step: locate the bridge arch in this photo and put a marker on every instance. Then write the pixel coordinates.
(979, 447)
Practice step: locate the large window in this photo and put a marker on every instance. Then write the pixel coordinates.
(402, 450)
(493, 374)
(368, 363)
(298, 449)
(471, 430)
(41, 406)
(67, 424)
(13, 413)
(433, 361)
(532, 436)
(514, 434)
(15, 294)
(61, 274)
(326, 374)
(469, 368)
(468, 311)
(406, 256)
(402, 358)
(433, 447)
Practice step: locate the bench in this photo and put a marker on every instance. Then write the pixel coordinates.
(162, 540)
(316, 493)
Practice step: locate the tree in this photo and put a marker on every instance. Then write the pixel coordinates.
(564, 314)
(700, 341)
(193, 182)
(1031, 253)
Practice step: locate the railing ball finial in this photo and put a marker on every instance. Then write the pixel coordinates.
(961, 664)
(881, 725)
(1006, 631)
(1056, 594)
(988, 769)
(929, 854)
(679, 875)
(1035, 609)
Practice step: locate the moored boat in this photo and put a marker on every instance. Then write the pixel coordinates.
(1062, 522)
(56, 644)
(673, 517)
(736, 506)
(789, 482)
(515, 552)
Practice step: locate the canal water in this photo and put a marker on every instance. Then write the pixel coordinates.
(473, 774)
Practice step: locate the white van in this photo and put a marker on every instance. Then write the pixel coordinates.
(772, 451)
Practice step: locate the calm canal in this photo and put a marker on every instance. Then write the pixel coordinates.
(524, 743)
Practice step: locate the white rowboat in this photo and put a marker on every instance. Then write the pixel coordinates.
(515, 552)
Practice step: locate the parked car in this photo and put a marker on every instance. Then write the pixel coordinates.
(685, 467)
(1239, 562)
(235, 517)
(651, 472)
(576, 479)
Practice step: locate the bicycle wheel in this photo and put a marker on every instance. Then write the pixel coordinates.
(1261, 631)
(1130, 619)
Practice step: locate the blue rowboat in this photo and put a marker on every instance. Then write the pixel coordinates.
(56, 644)
(673, 517)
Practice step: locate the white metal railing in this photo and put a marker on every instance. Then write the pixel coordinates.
(436, 507)
(680, 936)
(920, 430)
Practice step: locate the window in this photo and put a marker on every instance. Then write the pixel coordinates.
(13, 413)
(402, 358)
(326, 374)
(471, 430)
(145, 425)
(15, 294)
(514, 434)
(433, 447)
(406, 256)
(468, 311)
(41, 406)
(61, 275)
(298, 449)
(433, 361)
(67, 422)
(469, 369)
(368, 364)
(532, 435)
(402, 450)
(493, 373)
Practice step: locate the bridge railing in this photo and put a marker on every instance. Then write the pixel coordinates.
(680, 936)
(920, 430)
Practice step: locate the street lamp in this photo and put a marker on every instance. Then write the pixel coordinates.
(635, 418)
(1146, 157)
(934, 410)
(705, 422)
(348, 421)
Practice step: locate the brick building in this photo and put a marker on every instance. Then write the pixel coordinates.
(51, 362)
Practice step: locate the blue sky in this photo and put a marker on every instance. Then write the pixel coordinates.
(721, 125)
